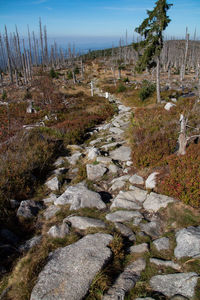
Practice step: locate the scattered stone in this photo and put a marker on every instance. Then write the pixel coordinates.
(74, 158)
(150, 183)
(79, 196)
(58, 231)
(69, 271)
(126, 280)
(53, 184)
(92, 143)
(121, 202)
(161, 244)
(84, 222)
(137, 221)
(104, 160)
(111, 145)
(122, 153)
(156, 201)
(60, 171)
(123, 216)
(92, 153)
(139, 194)
(51, 211)
(188, 242)
(30, 243)
(119, 184)
(50, 199)
(129, 163)
(169, 105)
(95, 172)
(116, 130)
(153, 228)
(125, 231)
(59, 162)
(139, 248)
(121, 178)
(123, 108)
(113, 168)
(29, 209)
(164, 263)
(135, 179)
(173, 284)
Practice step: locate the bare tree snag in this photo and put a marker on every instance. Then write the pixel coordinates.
(182, 139)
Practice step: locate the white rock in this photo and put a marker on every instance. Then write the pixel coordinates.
(52, 184)
(161, 244)
(104, 160)
(168, 106)
(84, 222)
(164, 263)
(136, 179)
(95, 172)
(92, 153)
(139, 194)
(123, 216)
(156, 201)
(141, 248)
(122, 153)
(58, 231)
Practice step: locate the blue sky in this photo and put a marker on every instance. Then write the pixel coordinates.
(81, 19)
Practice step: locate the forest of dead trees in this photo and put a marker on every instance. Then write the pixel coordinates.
(19, 56)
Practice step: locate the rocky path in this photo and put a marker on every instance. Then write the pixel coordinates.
(125, 208)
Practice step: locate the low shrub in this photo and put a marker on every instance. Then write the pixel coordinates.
(53, 73)
(182, 182)
(121, 88)
(146, 90)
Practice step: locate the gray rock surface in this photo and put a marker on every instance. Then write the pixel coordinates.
(51, 211)
(69, 271)
(58, 231)
(122, 153)
(119, 184)
(123, 216)
(136, 179)
(127, 200)
(92, 153)
(95, 172)
(139, 194)
(126, 280)
(116, 130)
(50, 199)
(84, 222)
(79, 196)
(104, 159)
(52, 184)
(161, 244)
(173, 284)
(30, 243)
(74, 158)
(125, 231)
(29, 209)
(141, 248)
(153, 228)
(188, 242)
(156, 201)
(165, 263)
(113, 168)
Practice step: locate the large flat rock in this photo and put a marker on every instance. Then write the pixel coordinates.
(122, 153)
(123, 216)
(188, 242)
(79, 196)
(95, 172)
(126, 200)
(175, 284)
(69, 271)
(156, 201)
(84, 222)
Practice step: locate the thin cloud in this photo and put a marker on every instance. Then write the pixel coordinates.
(49, 8)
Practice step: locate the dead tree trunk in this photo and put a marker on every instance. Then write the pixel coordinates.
(182, 139)
(8, 56)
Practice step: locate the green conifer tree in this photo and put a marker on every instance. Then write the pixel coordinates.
(151, 30)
